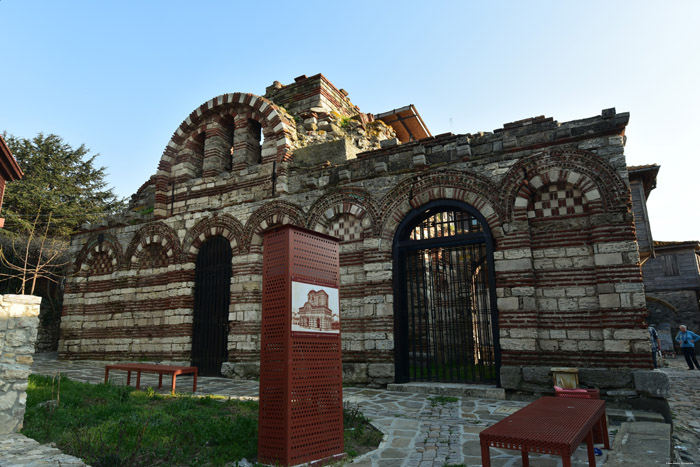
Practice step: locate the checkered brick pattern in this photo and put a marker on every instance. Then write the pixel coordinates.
(346, 227)
(555, 201)
(154, 256)
(101, 264)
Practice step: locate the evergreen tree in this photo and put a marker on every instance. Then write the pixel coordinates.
(58, 180)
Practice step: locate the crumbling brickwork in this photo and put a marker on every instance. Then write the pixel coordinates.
(555, 198)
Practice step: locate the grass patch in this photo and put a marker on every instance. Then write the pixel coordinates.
(359, 435)
(110, 425)
(442, 400)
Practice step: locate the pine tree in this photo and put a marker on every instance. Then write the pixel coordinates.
(60, 181)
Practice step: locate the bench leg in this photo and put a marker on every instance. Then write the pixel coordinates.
(138, 379)
(526, 460)
(485, 455)
(591, 451)
(160, 380)
(106, 375)
(604, 430)
(128, 378)
(172, 385)
(194, 383)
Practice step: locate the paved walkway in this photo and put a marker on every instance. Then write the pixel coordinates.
(419, 431)
(685, 409)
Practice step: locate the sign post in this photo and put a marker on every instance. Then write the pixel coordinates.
(301, 390)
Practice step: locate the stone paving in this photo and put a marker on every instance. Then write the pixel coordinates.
(685, 409)
(420, 430)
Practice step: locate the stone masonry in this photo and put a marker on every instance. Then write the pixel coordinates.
(554, 196)
(18, 326)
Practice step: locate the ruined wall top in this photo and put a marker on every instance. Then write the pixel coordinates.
(311, 94)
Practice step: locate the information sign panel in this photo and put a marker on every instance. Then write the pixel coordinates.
(301, 391)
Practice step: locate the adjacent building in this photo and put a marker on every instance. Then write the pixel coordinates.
(9, 171)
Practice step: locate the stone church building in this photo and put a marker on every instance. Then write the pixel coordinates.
(475, 258)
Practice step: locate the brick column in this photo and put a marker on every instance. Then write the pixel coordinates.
(217, 150)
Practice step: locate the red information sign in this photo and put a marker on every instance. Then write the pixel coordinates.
(301, 392)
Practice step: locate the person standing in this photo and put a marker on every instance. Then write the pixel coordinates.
(655, 344)
(687, 339)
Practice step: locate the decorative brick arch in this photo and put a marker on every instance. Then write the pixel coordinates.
(414, 192)
(99, 248)
(224, 225)
(599, 183)
(275, 213)
(352, 201)
(277, 127)
(152, 234)
(276, 124)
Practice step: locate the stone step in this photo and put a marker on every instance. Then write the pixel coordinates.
(477, 391)
(620, 416)
(641, 443)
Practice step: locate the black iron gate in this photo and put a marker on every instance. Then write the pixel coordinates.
(446, 323)
(212, 295)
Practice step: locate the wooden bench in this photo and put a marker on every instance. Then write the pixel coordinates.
(159, 369)
(550, 425)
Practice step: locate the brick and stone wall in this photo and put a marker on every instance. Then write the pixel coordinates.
(19, 319)
(555, 196)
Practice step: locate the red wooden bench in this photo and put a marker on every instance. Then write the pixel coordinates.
(159, 369)
(550, 425)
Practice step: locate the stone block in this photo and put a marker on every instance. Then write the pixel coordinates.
(517, 253)
(616, 345)
(549, 345)
(511, 377)
(380, 370)
(611, 300)
(578, 334)
(605, 378)
(608, 259)
(386, 143)
(241, 370)
(590, 346)
(520, 333)
(629, 334)
(355, 373)
(338, 151)
(652, 383)
(513, 265)
(419, 160)
(518, 344)
(508, 303)
(537, 375)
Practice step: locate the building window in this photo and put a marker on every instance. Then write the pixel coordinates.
(670, 265)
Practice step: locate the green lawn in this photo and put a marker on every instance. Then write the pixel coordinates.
(108, 425)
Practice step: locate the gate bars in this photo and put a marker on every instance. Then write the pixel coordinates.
(211, 305)
(445, 301)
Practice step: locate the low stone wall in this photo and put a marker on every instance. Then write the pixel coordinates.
(625, 388)
(19, 320)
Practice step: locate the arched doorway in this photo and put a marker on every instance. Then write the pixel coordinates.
(445, 306)
(212, 295)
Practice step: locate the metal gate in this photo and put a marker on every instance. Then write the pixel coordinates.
(446, 322)
(212, 295)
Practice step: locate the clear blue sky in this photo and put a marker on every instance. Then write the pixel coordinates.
(120, 76)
